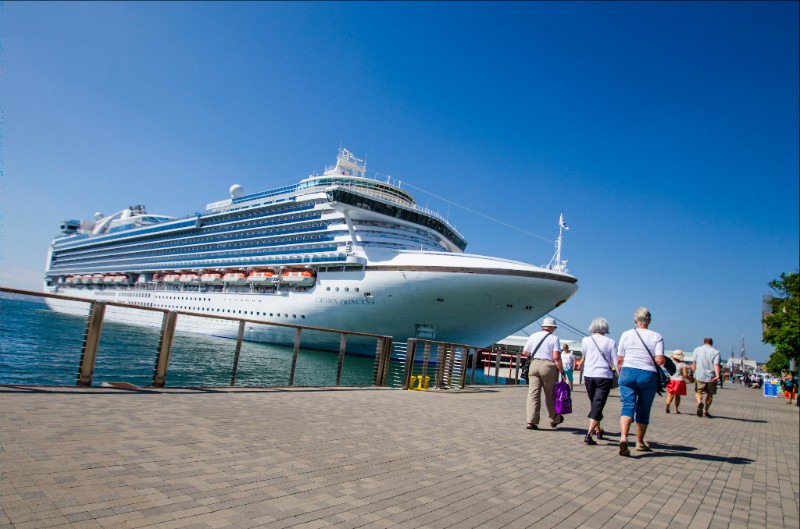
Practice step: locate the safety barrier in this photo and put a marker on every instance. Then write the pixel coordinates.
(96, 314)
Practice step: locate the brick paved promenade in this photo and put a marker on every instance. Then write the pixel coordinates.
(279, 458)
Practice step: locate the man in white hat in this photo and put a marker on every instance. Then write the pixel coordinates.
(545, 347)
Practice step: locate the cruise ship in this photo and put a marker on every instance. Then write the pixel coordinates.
(340, 250)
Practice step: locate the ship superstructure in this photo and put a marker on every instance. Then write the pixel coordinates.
(338, 250)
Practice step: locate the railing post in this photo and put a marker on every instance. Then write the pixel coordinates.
(238, 351)
(342, 350)
(164, 348)
(474, 366)
(411, 346)
(497, 366)
(519, 365)
(90, 343)
(297, 334)
(387, 359)
(462, 380)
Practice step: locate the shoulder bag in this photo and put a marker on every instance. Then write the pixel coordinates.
(662, 378)
(527, 364)
(614, 375)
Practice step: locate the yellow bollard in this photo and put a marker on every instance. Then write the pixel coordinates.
(425, 386)
(411, 382)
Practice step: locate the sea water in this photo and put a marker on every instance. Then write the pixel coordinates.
(42, 347)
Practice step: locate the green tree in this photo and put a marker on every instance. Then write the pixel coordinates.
(782, 327)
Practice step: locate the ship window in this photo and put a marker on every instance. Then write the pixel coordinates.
(337, 289)
(357, 289)
(347, 289)
(328, 289)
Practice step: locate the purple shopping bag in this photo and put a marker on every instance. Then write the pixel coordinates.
(563, 398)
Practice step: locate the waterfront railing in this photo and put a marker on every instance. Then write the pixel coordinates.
(164, 355)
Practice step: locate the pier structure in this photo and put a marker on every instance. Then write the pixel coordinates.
(165, 458)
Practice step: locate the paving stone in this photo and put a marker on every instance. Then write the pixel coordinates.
(379, 458)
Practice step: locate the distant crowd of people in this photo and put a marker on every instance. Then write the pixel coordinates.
(636, 364)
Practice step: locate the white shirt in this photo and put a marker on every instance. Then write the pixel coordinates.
(634, 353)
(550, 345)
(596, 361)
(567, 361)
(678, 371)
(706, 357)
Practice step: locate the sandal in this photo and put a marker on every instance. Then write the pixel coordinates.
(623, 449)
(643, 447)
(532, 426)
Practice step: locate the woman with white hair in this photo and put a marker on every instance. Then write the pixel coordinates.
(600, 354)
(640, 349)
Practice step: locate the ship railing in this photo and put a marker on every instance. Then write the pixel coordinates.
(147, 357)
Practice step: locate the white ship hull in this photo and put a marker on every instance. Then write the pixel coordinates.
(459, 298)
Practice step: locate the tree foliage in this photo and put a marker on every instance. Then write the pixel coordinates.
(782, 327)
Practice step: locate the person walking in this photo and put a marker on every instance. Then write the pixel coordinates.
(676, 387)
(706, 373)
(568, 362)
(640, 349)
(599, 357)
(790, 386)
(544, 372)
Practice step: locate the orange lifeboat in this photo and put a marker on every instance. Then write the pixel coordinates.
(189, 278)
(108, 279)
(304, 278)
(86, 279)
(172, 278)
(121, 279)
(211, 278)
(97, 279)
(235, 278)
(261, 276)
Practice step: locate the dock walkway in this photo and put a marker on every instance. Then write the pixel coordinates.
(379, 458)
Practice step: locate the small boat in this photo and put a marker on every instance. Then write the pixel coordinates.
(235, 278)
(109, 279)
(121, 279)
(97, 279)
(189, 279)
(172, 278)
(304, 278)
(86, 279)
(211, 278)
(261, 276)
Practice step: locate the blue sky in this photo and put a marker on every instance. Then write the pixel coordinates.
(667, 133)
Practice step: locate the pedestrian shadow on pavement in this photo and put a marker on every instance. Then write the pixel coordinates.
(668, 450)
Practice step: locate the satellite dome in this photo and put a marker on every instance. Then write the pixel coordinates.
(236, 191)
(98, 215)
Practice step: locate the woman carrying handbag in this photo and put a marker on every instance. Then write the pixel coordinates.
(600, 354)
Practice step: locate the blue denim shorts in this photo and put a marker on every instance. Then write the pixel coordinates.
(637, 390)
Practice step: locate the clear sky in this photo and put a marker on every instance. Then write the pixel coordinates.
(667, 133)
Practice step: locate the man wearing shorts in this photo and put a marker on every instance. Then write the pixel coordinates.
(706, 373)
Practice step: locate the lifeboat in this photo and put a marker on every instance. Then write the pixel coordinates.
(189, 278)
(235, 278)
(97, 279)
(260, 276)
(304, 278)
(156, 277)
(172, 278)
(211, 278)
(109, 279)
(72, 280)
(121, 279)
(86, 279)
